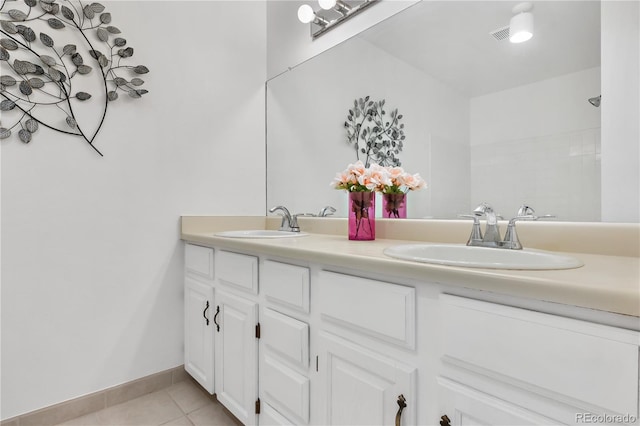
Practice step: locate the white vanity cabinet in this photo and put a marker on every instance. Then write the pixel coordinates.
(296, 342)
(198, 308)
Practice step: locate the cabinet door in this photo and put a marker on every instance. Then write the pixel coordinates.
(464, 406)
(362, 387)
(270, 417)
(237, 356)
(198, 332)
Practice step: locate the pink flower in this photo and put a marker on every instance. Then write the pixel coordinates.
(343, 180)
(395, 174)
(378, 177)
(357, 169)
(357, 177)
(352, 177)
(412, 182)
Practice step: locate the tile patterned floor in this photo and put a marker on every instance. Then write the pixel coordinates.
(182, 404)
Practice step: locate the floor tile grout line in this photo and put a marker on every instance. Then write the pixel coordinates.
(102, 420)
(184, 415)
(166, 391)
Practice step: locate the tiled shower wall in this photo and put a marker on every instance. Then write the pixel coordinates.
(557, 174)
(539, 144)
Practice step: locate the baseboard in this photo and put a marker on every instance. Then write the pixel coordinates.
(64, 411)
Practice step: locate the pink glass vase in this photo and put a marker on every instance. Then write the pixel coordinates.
(394, 206)
(362, 216)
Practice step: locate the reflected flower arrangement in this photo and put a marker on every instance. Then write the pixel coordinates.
(362, 182)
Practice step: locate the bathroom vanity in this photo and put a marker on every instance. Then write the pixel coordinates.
(320, 330)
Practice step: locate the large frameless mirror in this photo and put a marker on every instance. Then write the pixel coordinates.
(485, 119)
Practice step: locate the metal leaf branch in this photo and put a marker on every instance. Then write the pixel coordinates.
(39, 79)
(378, 137)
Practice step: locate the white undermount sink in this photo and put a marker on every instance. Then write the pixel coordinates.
(260, 233)
(482, 257)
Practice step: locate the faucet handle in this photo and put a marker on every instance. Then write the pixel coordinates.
(532, 217)
(525, 210)
(483, 208)
(476, 232)
(327, 211)
(476, 218)
(293, 223)
(283, 209)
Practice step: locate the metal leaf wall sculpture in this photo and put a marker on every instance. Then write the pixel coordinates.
(39, 77)
(374, 134)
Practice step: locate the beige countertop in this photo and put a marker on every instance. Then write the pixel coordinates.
(607, 282)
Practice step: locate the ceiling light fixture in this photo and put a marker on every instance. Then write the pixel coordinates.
(332, 13)
(521, 24)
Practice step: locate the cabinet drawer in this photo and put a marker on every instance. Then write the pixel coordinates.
(286, 336)
(286, 284)
(380, 309)
(562, 358)
(285, 389)
(236, 269)
(199, 260)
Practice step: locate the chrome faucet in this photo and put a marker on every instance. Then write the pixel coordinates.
(289, 222)
(525, 212)
(492, 232)
(327, 211)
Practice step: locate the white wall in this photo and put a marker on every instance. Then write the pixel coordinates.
(289, 42)
(620, 111)
(544, 152)
(91, 251)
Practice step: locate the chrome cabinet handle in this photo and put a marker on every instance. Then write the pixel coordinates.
(402, 403)
(215, 318)
(204, 313)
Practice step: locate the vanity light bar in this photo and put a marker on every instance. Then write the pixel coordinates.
(325, 20)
